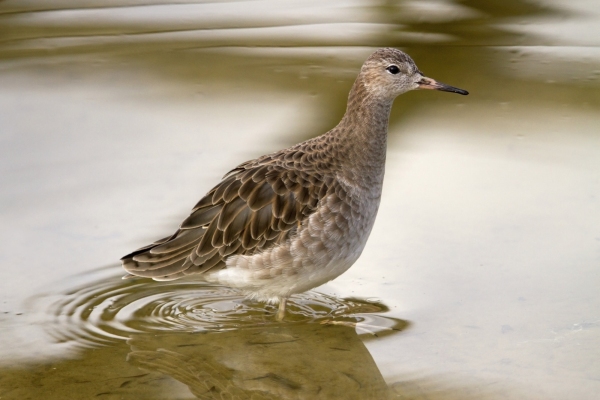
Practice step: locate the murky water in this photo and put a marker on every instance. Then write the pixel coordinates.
(480, 280)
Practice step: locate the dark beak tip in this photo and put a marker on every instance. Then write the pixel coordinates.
(428, 83)
(447, 88)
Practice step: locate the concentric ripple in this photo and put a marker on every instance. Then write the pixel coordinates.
(100, 307)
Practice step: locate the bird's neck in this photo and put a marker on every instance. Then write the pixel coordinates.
(362, 133)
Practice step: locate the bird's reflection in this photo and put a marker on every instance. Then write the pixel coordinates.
(285, 361)
(220, 345)
(187, 340)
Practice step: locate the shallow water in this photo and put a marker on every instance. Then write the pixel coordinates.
(479, 280)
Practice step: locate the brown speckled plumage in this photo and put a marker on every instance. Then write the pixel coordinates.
(294, 219)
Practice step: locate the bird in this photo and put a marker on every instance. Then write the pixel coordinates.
(292, 220)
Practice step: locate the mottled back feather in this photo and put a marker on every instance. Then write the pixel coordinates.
(257, 205)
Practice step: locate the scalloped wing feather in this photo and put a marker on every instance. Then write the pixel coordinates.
(257, 205)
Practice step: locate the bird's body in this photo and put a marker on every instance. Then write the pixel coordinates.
(294, 219)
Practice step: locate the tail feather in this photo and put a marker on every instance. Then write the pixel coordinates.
(148, 247)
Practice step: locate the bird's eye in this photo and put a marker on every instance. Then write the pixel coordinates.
(393, 69)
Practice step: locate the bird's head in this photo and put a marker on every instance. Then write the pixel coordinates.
(389, 72)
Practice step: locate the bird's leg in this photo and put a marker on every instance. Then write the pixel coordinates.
(281, 310)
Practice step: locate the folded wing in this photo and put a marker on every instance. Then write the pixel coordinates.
(256, 206)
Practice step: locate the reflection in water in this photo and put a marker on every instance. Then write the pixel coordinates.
(218, 344)
(180, 340)
(285, 361)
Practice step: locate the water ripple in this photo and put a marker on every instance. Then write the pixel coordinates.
(98, 308)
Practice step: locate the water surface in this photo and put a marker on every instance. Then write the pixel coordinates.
(479, 280)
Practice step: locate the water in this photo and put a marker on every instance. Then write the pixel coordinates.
(479, 280)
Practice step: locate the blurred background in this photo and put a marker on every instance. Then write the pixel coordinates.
(116, 116)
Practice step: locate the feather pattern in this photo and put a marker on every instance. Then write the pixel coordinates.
(242, 215)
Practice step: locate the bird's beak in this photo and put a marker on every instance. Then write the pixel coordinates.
(428, 83)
